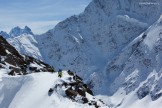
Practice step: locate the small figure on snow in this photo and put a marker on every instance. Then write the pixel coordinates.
(60, 73)
(52, 69)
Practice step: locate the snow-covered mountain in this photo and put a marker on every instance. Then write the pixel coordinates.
(4, 34)
(115, 46)
(17, 31)
(26, 44)
(87, 43)
(23, 41)
(142, 70)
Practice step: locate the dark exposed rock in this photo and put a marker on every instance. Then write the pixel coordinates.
(142, 92)
(2, 51)
(95, 104)
(81, 92)
(85, 100)
(71, 93)
(76, 77)
(79, 86)
(90, 104)
(12, 73)
(33, 68)
(16, 70)
(70, 73)
(65, 84)
(1, 66)
(73, 84)
(89, 91)
(50, 90)
(155, 97)
(77, 91)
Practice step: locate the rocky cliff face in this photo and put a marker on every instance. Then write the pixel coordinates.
(142, 70)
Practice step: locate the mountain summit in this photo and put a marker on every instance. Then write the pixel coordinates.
(17, 31)
(4, 34)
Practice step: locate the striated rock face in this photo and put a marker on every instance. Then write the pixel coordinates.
(142, 10)
(15, 63)
(99, 43)
(142, 70)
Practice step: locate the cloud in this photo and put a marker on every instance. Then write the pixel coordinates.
(41, 26)
(40, 15)
(37, 27)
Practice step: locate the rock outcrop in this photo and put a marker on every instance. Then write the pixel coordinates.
(76, 90)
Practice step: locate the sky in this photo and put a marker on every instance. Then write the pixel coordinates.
(39, 15)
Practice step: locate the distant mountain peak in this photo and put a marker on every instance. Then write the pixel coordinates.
(26, 28)
(17, 31)
(4, 34)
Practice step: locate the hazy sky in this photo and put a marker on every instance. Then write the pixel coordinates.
(39, 15)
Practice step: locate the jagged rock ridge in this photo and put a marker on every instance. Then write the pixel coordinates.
(17, 31)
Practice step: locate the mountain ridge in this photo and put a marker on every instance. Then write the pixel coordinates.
(111, 45)
(16, 31)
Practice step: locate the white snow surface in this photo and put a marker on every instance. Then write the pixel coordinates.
(31, 91)
(26, 44)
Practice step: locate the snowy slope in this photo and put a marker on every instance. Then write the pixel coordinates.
(120, 100)
(26, 44)
(31, 91)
